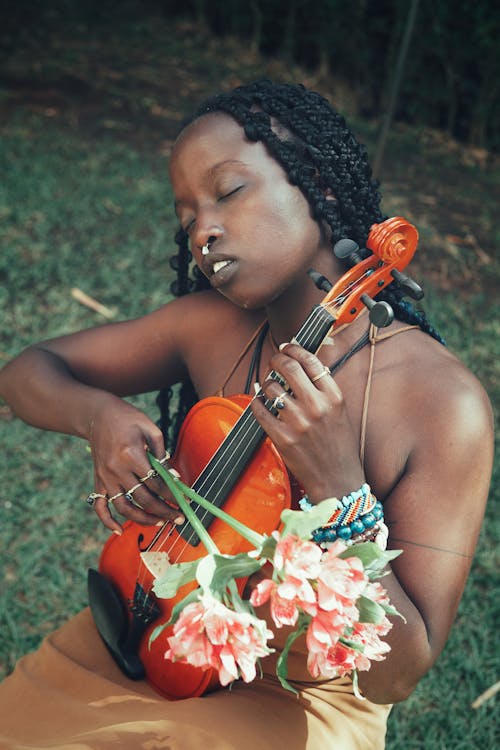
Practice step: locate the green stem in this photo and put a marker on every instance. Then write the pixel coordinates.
(247, 533)
(191, 516)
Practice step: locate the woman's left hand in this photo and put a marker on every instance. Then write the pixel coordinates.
(312, 432)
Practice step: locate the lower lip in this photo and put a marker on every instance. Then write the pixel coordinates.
(224, 275)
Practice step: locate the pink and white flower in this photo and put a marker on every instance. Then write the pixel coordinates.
(296, 562)
(210, 635)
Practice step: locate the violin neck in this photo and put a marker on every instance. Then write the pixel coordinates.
(229, 461)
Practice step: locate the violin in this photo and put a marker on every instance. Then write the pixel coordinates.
(224, 454)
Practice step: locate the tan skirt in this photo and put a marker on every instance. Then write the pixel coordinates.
(70, 695)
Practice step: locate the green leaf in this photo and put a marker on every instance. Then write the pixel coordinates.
(216, 571)
(177, 575)
(282, 662)
(390, 610)
(369, 611)
(373, 558)
(268, 548)
(352, 644)
(302, 523)
(355, 685)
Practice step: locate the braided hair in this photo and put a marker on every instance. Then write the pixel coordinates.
(318, 153)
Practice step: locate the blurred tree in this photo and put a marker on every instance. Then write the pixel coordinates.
(451, 79)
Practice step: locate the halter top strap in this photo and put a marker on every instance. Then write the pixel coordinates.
(374, 339)
(255, 335)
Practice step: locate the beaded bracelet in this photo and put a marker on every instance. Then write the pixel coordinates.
(357, 513)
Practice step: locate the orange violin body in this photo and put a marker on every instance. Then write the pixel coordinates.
(260, 495)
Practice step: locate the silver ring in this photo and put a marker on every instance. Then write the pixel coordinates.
(325, 371)
(131, 491)
(165, 458)
(92, 497)
(115, 497)
(151, 473)
(279, 401)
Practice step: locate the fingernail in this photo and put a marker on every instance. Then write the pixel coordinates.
(179, 520)
(282, 346)
(117, 532)
(175, 473)
(160, 523)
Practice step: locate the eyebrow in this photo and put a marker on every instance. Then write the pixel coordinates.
(214, 169)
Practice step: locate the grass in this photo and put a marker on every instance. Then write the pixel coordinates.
(86, 204)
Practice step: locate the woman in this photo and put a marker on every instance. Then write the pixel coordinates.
(266, 180)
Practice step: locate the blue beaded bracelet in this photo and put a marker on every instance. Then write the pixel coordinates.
(363, 521)
(345, 532)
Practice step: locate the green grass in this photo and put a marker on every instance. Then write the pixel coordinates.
(90, 208)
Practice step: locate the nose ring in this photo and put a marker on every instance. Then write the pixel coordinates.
(206, 247)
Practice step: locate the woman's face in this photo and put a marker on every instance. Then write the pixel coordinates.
(231, 193)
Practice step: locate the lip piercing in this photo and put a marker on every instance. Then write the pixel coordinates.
(325, 371)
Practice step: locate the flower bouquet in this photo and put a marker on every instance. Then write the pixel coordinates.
(332, 595)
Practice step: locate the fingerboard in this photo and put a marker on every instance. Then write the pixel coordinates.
(234, 453)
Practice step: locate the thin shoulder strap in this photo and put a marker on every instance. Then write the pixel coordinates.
(255, 334)
(374, 339)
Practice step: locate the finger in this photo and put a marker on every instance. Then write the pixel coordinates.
(160, 506)
(103, 512)
(276, 429)
(304, 368)
(155, 443)
(279, 399)
(134, 512)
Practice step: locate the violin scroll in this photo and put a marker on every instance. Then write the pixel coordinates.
(392, 244)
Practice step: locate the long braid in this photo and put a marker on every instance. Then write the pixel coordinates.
(319, 154)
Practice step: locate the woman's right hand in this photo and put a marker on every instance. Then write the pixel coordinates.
(119, 436)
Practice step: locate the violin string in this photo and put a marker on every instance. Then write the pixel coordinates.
(245, 427)
(251, 429)
(239, 436)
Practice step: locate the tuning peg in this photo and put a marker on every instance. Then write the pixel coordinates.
(347, 250)
(410, 287)
(320, 280)
(381, 313)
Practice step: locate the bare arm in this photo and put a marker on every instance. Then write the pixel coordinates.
(74, 384)
(434, 515)
(433, 482)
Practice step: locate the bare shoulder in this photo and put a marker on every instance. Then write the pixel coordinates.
(444, 391)
(212, 333)
(430, 419)
(209, 311)
(429, 383)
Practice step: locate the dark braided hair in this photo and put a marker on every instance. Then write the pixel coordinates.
(319, 153)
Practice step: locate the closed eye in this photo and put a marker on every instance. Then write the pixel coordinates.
(230, 193)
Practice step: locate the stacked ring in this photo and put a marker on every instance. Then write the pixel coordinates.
(92, 497)
(151, 473)
(131, 491)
